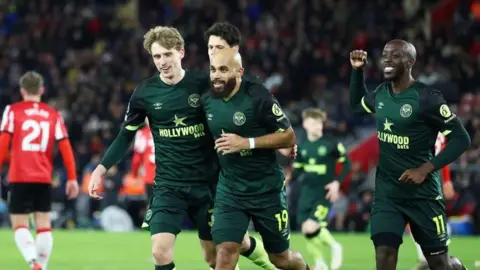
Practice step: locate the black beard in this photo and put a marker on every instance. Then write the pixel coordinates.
(225, 90)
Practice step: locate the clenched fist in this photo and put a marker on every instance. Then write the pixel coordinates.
(358, 58)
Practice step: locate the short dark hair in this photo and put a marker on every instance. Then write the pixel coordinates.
(225, 30)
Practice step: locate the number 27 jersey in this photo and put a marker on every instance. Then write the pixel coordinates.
(34, 127)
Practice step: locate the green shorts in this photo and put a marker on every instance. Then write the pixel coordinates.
(314, 209)
(427, 220)
(268, 213)
(170, 203)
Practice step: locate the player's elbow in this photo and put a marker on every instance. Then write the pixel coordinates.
(289, 138)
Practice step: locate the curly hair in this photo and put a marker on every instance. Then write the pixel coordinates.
(167, 37)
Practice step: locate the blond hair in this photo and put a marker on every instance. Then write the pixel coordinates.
(31, 81)
(314, 113)
(167, 37)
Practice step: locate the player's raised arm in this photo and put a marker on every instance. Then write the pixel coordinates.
(360, 99)
(437, 113)
(134, 120)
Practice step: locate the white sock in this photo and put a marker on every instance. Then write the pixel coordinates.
(44, 246)
(26, 244)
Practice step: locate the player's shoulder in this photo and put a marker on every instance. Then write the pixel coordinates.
(427, 94)
(256, 89)
(383, 87)
(25, 105)
(152, 81)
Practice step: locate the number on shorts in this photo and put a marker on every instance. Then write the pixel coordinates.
(282, 219)
(210, 213)
(37, 129)
(321, 213)
(439, 224)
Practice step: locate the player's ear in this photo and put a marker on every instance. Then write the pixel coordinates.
(182, 53)
(23, 92)
(42, 90)
(240, 72)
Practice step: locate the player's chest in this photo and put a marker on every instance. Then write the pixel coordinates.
(315, 153)
(173, 104)
(396, 114)
(236, 116)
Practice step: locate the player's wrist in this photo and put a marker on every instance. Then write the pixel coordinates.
(251, 143)
(427, 168)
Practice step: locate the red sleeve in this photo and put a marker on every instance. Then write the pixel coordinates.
(4, 144)
(446, 176)
(68, 159)
(7, 120)
(136, 162)
(60, 129)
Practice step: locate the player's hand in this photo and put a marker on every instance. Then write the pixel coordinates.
(333, 191)
(448, 190)
(289, 152)
(358, 58)
(72, 189)
(417, 175)
(231, 143)
(96, 181)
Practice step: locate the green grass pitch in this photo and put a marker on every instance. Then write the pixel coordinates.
(92, 250)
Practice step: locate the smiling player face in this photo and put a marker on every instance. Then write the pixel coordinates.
(167, 61)
(397, 58)
(225, 73)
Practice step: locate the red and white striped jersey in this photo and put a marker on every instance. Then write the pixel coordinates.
(34, 127)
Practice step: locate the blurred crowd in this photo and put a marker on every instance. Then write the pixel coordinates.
(91, 55)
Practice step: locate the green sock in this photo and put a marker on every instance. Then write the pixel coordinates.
(314, 248)
(170, 266)
(326, 237)
(257, 254)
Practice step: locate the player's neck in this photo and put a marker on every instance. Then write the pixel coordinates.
(235, 90)
(402, 83)
(174, 78)
(32, 98)
(314, 137)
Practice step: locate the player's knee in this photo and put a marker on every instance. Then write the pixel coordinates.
(227, 249)
(209, 253)
(19, 221)
(162, 248)
(455, 264)
(438, 262)
(310, 228)
(246, 243)
(42, 220)
(386, 255)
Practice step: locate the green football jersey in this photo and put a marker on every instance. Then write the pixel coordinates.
(317, 160)
(251, 112)
(184, 150)
(408, 124)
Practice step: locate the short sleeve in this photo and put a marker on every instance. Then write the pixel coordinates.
(437, 113)
(60, 129)
(7, 120)
(268, 110)
(136, 112)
